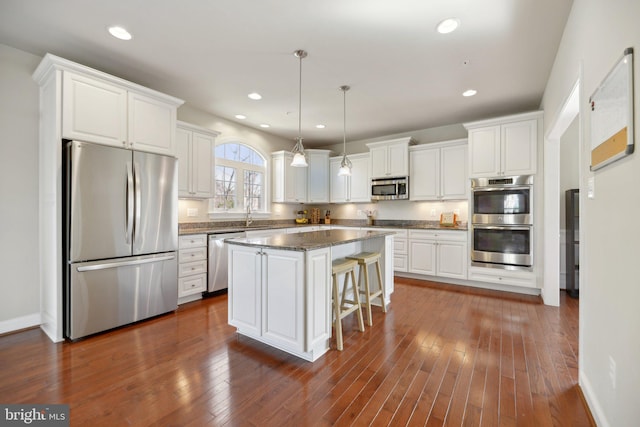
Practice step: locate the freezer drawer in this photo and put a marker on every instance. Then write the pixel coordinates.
(106, 294)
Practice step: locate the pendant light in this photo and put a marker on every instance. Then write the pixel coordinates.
(299, 158)
(345, 165)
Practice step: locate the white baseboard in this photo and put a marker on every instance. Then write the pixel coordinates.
(592, 402)
(18, 323)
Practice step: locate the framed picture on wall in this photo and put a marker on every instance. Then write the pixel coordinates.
(611, 108)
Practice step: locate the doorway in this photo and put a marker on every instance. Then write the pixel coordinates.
(552, 195)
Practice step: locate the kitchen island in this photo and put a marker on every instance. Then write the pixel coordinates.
(280, 286)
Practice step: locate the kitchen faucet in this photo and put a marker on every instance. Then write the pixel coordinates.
(248, 219)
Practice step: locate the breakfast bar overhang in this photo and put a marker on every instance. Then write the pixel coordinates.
(280, 286)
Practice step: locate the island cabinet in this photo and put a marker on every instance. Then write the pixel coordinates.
(194, 149)
(390, 158)
(354, 188)
(270, 300)
(438, 253)
(107, 110)
(280, 286)
(439, 171)
(504, 146)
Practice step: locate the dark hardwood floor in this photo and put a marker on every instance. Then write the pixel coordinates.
(442, 355)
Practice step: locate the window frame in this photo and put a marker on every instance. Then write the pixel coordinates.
(241, 167)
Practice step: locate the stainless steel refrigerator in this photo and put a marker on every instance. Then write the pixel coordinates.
(120, 237)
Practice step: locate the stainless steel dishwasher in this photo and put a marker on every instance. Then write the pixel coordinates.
(218, 260)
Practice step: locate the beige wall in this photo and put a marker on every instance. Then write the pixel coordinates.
(595, 37)
(19, 120)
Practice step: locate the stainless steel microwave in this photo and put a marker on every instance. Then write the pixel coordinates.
(390, 188)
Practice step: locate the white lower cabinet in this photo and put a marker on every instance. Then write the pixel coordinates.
(270, 300)
(400, 254)
(438, 253)
(192, 267)
(526, 279)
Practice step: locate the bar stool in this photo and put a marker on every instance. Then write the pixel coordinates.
(364, 260)
(342, 306)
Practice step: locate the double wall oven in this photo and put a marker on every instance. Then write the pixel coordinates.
(502, 222)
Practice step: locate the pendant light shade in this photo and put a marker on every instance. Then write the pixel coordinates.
(345, 164)
(299, 157)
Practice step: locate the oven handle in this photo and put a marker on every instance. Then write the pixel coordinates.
(504, 227)
(515, 187)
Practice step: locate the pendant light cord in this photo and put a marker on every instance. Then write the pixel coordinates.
(300, 56)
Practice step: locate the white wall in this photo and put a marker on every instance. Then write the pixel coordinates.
(19, 118)
(596, 34)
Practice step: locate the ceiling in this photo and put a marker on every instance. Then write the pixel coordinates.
(403, 74)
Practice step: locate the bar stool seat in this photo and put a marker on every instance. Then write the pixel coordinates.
(365, 259)
(342, 306)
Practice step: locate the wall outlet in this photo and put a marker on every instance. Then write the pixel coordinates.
(360, 213)
(433, 213)
(591, 188)
(192, 211)
(612, 372)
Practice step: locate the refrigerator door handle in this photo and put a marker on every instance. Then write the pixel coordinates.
(138, 197)
(129, 205)
(124, 263)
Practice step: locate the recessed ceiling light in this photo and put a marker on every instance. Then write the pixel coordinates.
(240, 116)
(120, 33)
(264, 125)
(469, 92)
(320, 126)
(255, 96)
(449, 25)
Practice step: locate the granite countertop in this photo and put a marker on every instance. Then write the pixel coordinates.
(309, 240)
(215, 228)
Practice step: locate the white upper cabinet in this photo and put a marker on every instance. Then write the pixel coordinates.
(194, 149)
(438, 171)
(93, 110)
(100, 108)
(152, 124)
(300, 185)
(289, 183)
(390, 158)
(354, 188)
(318, 176)
(504, 146)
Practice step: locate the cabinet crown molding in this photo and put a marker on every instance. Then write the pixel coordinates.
(439, 144)
(196, 128)
(504, 119)
(51, 63)
(406, 140)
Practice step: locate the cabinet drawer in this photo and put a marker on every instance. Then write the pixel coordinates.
(399, 246)
(451, 235)
(193, 254)
(191, 268)
(503, 277)
(192, 241)
(400, 262)
(192, 285)
(422, 235)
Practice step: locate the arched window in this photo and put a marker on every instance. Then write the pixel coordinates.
(239, 178)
